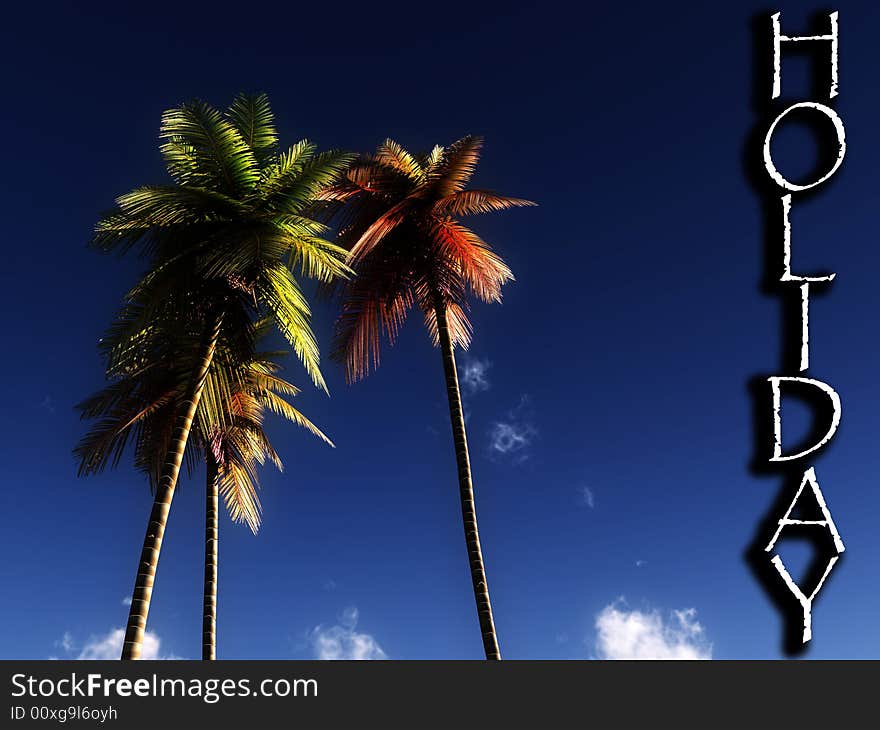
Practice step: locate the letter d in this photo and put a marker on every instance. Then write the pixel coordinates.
(775, 382)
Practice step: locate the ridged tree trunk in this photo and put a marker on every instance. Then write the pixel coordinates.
(466, 490)
(146, 573)
(209, 618)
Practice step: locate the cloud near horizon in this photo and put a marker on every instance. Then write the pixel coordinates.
(341, 641)
(634, 634)
(109, 646)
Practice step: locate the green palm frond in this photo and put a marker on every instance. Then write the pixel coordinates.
(237, 483)
(281, 407)
(221, 158)
(299, 192)
(252, 117)
(225, 242)
(282, 296)
(281, 173)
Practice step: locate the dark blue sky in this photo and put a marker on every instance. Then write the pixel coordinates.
(620, 356)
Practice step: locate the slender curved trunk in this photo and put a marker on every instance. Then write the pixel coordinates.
(146, 572)
(466, 490)
(209, 618)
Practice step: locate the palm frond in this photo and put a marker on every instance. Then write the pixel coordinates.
(225, 162)
(479, 267)
(391, 154)
(237, 484)
(457, 165)
(398, 214)
(474, 202)
(283, 298)
(252, 116)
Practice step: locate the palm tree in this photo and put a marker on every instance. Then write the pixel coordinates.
(232, 453)
(231, 450)
(222, 241)
(400, 222)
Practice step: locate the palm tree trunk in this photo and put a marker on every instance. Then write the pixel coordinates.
(209, 619)
(466, 490)
(146, 574)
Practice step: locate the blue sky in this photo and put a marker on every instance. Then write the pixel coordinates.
(611, 430)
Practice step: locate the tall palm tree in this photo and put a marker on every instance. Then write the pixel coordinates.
(222, 241)
(400, 222)
(231, 450)
(232, 453)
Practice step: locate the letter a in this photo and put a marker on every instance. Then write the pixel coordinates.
(828, 523)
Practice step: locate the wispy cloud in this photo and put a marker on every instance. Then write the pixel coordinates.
(588, 499)
(511, 436)
(631, 634)
(474, 375)
(126, 601)
(641, 563)
(342, 641)
(48, 405)
(66, 642)
(109, 646)
(508, 438)
(329, 585)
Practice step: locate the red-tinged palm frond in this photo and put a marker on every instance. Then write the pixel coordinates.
(481, 269)
(456, 166)
(377, 230)
(237, 483)
(398, 219)
(475, 202)
(374, 303)
(460, 329)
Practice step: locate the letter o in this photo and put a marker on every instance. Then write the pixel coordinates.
(841, 146)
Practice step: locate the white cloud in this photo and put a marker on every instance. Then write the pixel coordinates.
(341, 641)
(508, 438)
(587, 497)
(641, 563)
(625, 634)
(329, 585)
(126, 601)
(514, 434)
(109, 646)
(473, 375)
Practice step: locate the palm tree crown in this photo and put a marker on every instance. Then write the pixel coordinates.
(409, 248)
(223, 242)
(225, 238)
(140, 411)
